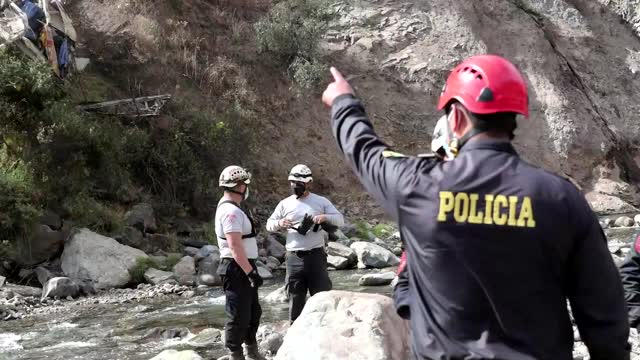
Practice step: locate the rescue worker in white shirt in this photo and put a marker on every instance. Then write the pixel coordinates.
(238, 251)
(302, 215)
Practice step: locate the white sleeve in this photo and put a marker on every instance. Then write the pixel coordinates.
(333, 215)
(273, 221)
(232, 220)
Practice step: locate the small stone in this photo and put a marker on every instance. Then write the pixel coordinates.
(624, 221)
(188, 294)
(69, 298)
(57, 303)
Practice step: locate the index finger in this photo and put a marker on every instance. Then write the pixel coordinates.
(337, 76)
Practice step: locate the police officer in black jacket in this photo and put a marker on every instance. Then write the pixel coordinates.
(495, 246)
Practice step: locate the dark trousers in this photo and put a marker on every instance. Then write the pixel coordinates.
(242, 305)
(306, 271)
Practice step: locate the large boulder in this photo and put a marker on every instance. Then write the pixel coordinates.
(60, 287)
(99, 258)
(271, 336)
(207, 269)
(275, 248)
(185, 271)
(372, 255)
(141, 216)
(172, 354)
(155, 276)
(347, 325)
(44, 244)
(338, 262)
(377, 279)
(338, 249)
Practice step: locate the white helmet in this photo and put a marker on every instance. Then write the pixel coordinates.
(233, 175)
(300, 172)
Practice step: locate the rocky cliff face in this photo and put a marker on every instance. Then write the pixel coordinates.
(580, 58)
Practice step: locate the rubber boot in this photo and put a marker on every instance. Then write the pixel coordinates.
(253, 353)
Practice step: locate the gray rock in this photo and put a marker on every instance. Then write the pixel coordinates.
(279, 295)
(636, 220)
(61, 287)
(350, 230)
(185, 271)
(338, 262)
(372, 255)
(272, 261)
(155, 276)
(338, 249)
(177, 355)
(196, 243)
(263, 253)
(272, 343)
(141, 216)
(207, 270)
(43, 245)
(205, 251)
(13, 290)
(624, 221)
(191, 251)
(623, 235)
(43, 275)
(350, 326)
(133, 237)
(2, 280)
(98, 258)
(377, 279)
(188, 294)
(51, 219)
(206, 338)
(397, 251)
(274, 248)
(264, 273)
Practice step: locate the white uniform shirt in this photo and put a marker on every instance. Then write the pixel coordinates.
(294, 210)
(228, 219)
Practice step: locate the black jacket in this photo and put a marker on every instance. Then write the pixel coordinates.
(630, 271)
(495, 248)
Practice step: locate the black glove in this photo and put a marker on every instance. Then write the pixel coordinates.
(255, 278)
(305, 225)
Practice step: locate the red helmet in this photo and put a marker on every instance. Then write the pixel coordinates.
(486, 84)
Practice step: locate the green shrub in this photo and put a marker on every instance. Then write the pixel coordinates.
(142, 265)
(290, 33)
(307, 75)
(382, 231)
(171, 261)
(209, 229)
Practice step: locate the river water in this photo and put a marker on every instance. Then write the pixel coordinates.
(110, 332)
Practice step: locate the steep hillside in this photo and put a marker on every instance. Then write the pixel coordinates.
(581, 59)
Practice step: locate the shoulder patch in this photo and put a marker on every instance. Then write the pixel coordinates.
(636, 244)
(392, 154)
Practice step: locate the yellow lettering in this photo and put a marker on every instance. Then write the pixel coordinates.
(526, 213)
(461, 209)
(446, 205)
(498, 217)
(513, 204)
(488, 200)
(475, 216)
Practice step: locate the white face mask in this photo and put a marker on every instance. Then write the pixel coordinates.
(443, 138)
